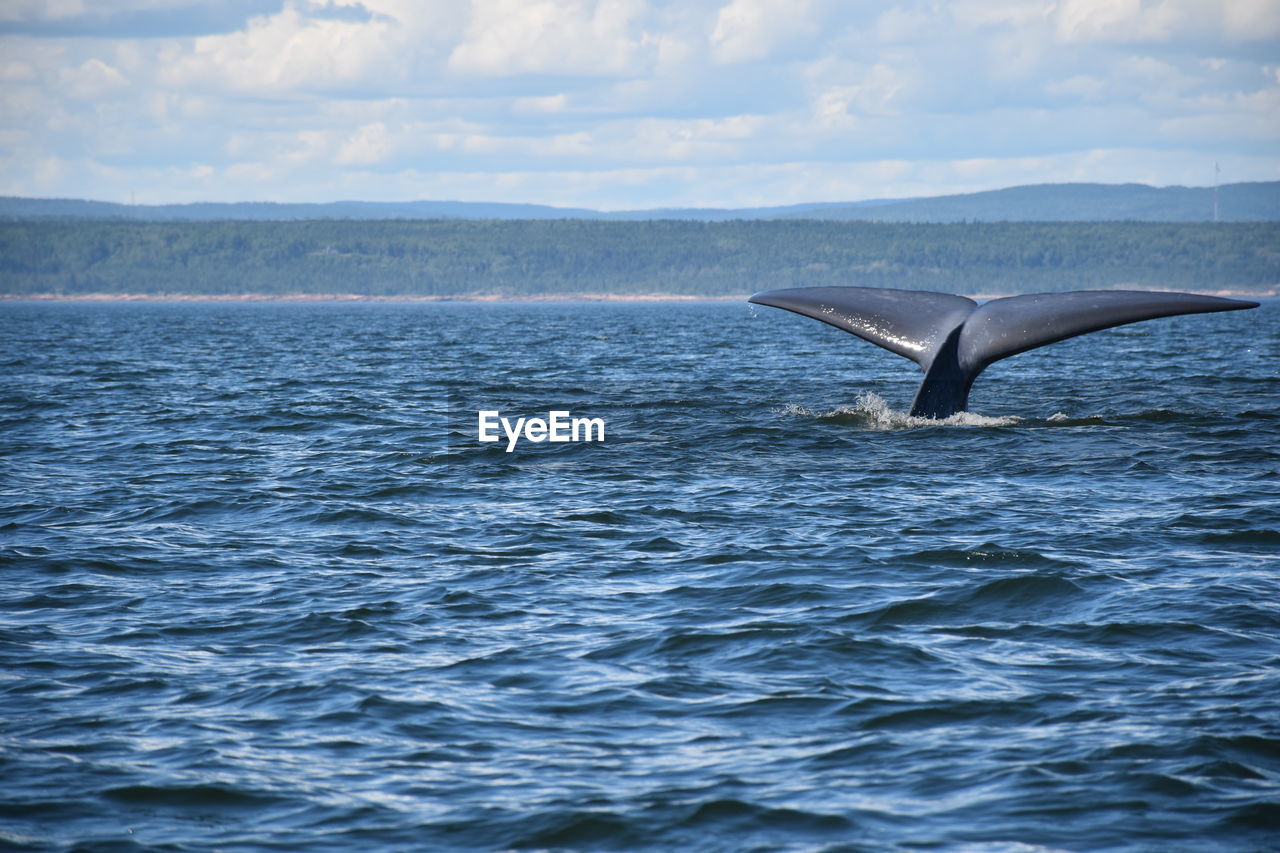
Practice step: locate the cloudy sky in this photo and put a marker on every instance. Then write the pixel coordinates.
(629, 103)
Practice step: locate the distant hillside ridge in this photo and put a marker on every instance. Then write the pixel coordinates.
(1241, 202)
(1245, 202)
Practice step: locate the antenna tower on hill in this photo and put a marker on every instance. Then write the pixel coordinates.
(1217, 173)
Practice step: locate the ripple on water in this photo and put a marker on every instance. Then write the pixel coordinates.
(265, 591)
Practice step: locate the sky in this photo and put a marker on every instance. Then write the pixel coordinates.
(629, 104)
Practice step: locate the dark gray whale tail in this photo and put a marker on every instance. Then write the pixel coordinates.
(953, 338)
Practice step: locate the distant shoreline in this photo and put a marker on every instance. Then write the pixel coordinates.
(359, 297)
(546, 297)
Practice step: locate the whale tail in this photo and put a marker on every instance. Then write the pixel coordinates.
(954, 339)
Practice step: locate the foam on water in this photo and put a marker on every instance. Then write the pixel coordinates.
(870, 411)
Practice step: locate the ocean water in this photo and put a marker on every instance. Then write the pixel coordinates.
(265, 590)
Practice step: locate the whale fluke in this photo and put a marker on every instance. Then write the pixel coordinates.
(954, 339)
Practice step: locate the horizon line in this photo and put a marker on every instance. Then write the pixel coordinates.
(555, 206)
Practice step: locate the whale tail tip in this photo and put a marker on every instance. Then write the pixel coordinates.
(953, 338)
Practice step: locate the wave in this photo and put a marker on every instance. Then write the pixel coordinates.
(870, 411)
(276, 596)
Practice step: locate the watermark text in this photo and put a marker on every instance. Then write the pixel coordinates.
(558, 426)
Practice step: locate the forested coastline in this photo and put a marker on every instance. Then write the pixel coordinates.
(540, 258)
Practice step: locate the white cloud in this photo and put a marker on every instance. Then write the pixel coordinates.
(1013, 14)
(547, 104)
(295, 53)
(876, 92)
(899, 24)
(1165, 20)
(632, 103)
(579, 37)
(286, 52)
(1251, 20)
(369, 145)
(17, 72)
(748, 30)
(92, 79)
(1084, 86)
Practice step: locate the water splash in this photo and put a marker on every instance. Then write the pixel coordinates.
(870, 411)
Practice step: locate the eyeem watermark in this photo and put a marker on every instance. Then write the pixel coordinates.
(558, 426)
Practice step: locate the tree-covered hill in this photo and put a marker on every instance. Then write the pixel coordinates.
(445, 258)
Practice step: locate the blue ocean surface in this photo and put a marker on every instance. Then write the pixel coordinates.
(264, 589)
